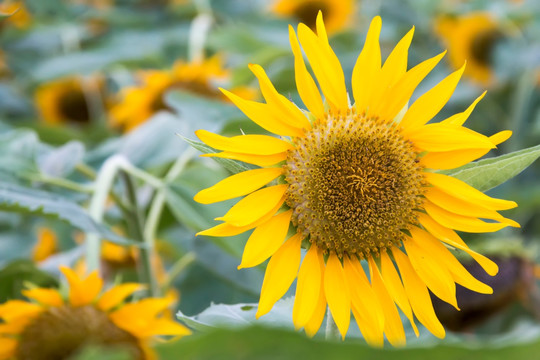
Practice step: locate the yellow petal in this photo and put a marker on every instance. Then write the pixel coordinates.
(464, 191)
(460, 118)
(500, 137)
(432, 271)
(393, 328)
(146, 311)
(429, 104)
(263, 115)
(337, 293)
(114, 296)
(401, 92)
(308, 90)
(395, 288)
(14, 327)
(164, 327)
(246, 144)
(437, 250)
(438, 138)
(266, 240)
(47, 297)
(280, 273)
(451, 159)
(326, 67)
(393, 69)
(82, 292)
(418, 295)
(308, 287)
(8, 347)
(374, 337)
(460, 206)
(366, 72)
(259, 160)
(230, 230)
(255, 205)
(13, 309)
(316, 319)
(451, 238)
(459, 222)
(238, 185)
(365, 304)
(285, 108)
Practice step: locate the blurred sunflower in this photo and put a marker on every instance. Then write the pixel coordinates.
(51, 327)
(18, 14)
(139, 103)
(470, 38)
(357, 183)
(336, 13)
(66, 101)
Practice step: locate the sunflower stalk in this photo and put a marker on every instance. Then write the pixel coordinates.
(158, 202)
(135, 221)
(199, 29)
(103, 185)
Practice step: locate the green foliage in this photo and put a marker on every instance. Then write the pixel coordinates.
(257, 342)
(488, 173)
(37, 202)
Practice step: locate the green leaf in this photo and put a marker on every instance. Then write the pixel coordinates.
(18, 149)
(232, 165)
(488, 173)
(152, 144)
(15, 274)
(61, 161)
(239, 315)
(256, 342)
(16, 198)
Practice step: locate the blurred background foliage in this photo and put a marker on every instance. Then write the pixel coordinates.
(86, 81)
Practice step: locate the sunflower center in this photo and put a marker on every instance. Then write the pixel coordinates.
(483, 45)
(354, 185)
(73, 107)
(307, 12)
(60, 332)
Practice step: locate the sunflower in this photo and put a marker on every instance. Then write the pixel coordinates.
(336, 13)
(470, 38)
(66, 101)
(51, 327)
(356, 184)
(141, 102)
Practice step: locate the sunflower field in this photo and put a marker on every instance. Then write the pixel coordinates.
(281, 179)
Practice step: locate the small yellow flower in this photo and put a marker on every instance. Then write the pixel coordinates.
(139, 103)
(66, 101)
(357, 184)
(470, 38)
(51, 327)
(337, 14)
(46, 245)
(18, 14)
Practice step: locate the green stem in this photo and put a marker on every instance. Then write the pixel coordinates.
(198, 32)
(66, 184)
(332, 331)
(102, 187)
(135, 219)
(156, 207)
(86, 170)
